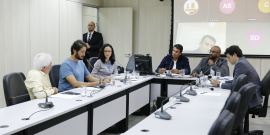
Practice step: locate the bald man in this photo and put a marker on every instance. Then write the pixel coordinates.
(94, 42)
(211, 64)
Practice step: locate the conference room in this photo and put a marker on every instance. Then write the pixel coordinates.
(134, 28)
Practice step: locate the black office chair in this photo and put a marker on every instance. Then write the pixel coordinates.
(92, 62)
(247, 91)
(223, 124)
(23, 76)
(260, 111)
(240, 81)
(14, 86)
(233, 103)
(54, 75)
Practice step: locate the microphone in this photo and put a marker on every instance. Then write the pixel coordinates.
(169, 74)
(41, 105)
(191, 91)
(181, 97)
(98, 85)
(162, 114)
(125, 79)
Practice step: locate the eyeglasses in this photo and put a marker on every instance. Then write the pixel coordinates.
(212, 51)
(228, 57)
(107, 51)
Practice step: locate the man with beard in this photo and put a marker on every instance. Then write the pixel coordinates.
(209, 65)
(73, 70)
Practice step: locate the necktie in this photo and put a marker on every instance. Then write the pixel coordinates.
(90, 35)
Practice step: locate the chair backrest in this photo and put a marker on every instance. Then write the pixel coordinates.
(14, 86)
(92, 62)
(265, 90)
(23, 76)
(223, 124)
(240, 81)
(54, 75)
(247, 91)
(233, 102)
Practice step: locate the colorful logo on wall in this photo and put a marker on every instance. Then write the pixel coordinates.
(191, 7)
(264, 6)
(254, 37)
(227, 6)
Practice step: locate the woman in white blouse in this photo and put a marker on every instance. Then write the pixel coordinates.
(105, 65)
(36, 81)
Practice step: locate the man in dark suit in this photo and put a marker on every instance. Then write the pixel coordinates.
(242, 66)
(211, 64)
(174, 62)
(94, 42)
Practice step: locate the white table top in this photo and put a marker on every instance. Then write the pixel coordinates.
(12, 115)
(193, 118)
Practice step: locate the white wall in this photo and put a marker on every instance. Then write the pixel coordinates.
(28, 27)
(89, 14)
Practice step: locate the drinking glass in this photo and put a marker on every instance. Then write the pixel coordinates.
(218, 74)
(172, 101)
(83, 90)
(137, 75)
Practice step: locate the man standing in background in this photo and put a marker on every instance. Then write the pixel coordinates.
(94, 42)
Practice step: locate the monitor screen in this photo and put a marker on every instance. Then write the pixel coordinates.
(200, 24)
(140, 63)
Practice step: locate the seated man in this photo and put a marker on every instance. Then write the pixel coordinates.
(242, 66)
(174, 62)
(36, 81)
(211, 64)
(73, 71)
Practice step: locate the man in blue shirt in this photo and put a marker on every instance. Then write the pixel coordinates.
(174, 62)
(73, 71)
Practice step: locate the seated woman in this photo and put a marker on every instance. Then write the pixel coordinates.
(36, 81)
(105, 65)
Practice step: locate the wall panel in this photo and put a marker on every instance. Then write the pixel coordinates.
(118, 32)
(154, 32)
(70, 26)
(44, 28)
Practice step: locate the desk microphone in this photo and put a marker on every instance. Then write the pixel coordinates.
(162, 114)
(125, 79)
(169, 74)
(41, 105)
(191, 91)
(98, 85)
(181, 97)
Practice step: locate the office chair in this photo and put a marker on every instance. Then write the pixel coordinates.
(92, 62)
(14, 86)
(247, 91)
(223, 124)
(54, 75)
(260, 111)
(233, 103)
(239, 82)
(23, 76)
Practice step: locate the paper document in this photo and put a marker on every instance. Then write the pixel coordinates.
(65, 96)
(119, 77)
(93, 89)
(211, 94)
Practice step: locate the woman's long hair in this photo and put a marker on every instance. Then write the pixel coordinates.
(101, 55)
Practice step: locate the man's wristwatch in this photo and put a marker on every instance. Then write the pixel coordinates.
(218, 84)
